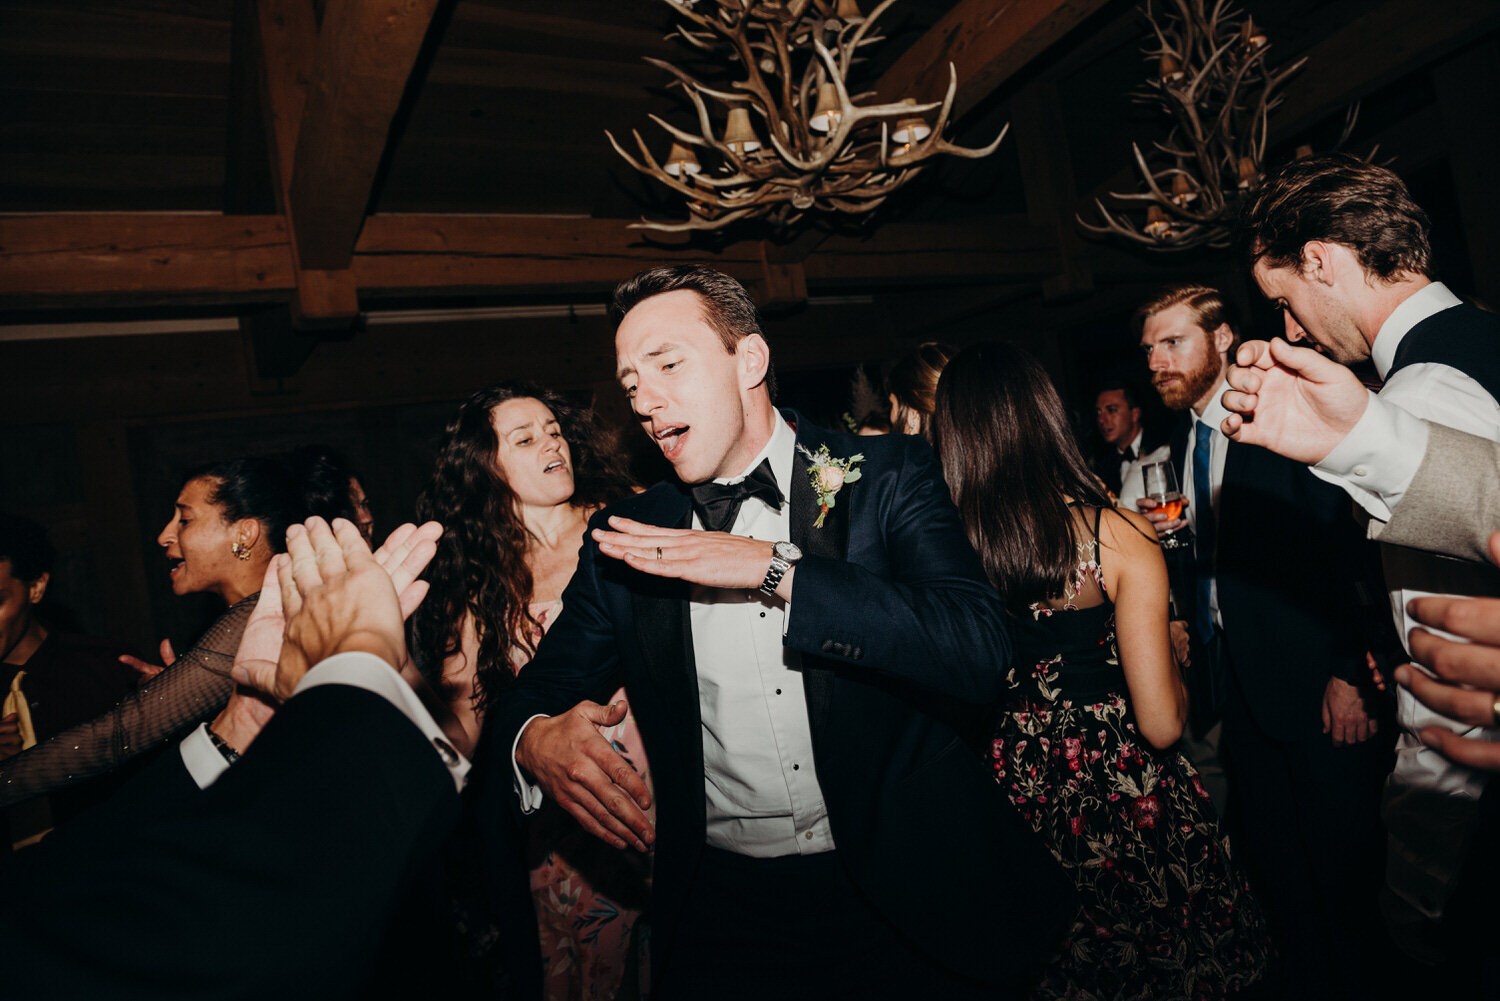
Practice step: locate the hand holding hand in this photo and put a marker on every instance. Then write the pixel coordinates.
(1345, 715)
(713, 559)
(149, 671)
(1468, 674)
(579, 769)
(1291, 400)
(1159, 520)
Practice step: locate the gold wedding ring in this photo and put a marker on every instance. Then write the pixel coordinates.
(658, 559)
(1495, 709)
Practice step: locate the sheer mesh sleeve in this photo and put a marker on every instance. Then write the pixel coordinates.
(193, 689)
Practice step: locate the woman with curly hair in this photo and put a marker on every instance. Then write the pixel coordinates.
(519, 473)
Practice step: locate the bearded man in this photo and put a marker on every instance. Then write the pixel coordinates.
(1279, 641)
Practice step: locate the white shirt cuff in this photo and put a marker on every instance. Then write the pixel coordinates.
(1377, 459)
(202, 759)
(367, 671)
(528, 793)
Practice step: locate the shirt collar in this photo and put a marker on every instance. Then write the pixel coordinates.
(1424, 302)
(1135, 443)
(1213, 414)
(780, 450)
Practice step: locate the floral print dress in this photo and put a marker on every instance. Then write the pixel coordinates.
(1165, 912)
(589, 896)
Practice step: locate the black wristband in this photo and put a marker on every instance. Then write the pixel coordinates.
(230, 754)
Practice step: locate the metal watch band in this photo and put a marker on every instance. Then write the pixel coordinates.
(774, 573)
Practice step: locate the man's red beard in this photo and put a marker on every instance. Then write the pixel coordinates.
(1190, 386)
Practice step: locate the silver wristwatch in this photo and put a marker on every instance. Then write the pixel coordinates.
(784, 556)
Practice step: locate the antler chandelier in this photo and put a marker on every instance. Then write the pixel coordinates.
(1213, 80)
(791, 138)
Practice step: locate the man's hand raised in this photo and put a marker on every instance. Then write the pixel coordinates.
(713, 559)
(333, 596)
(577, 767)
(1291, 400)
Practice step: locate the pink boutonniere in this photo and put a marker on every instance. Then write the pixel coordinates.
(829, 476)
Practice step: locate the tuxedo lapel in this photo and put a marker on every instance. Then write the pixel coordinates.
(665, 634)
(832, 542)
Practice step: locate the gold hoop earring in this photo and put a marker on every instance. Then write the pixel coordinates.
(240, 550)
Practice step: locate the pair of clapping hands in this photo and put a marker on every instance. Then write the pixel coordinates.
(1299, 404)
(326, 595)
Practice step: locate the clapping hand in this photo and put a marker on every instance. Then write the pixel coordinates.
(1467, 686)
(329, 594)
(146, 670)
(1290, 400)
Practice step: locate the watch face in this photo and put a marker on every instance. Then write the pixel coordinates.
(787, 551)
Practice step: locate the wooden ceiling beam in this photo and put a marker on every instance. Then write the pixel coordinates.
(987, 43)
(365, 55)
(57, 261)
(80, 260)
(288, 48)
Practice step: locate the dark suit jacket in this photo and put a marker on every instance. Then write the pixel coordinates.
(1289, 555)
(898, 628)
(273, 883)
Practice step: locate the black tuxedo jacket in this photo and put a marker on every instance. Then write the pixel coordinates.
(898, 630)
(275, 882)
(1289, 557)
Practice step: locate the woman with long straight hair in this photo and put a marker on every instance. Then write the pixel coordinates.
(520, 470)
(1095, 702)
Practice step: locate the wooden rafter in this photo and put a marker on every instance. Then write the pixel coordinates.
(79, 260)
(365, 55)
(987, 42)
(288, 49)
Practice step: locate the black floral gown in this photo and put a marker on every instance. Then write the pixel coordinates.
(1165, 912)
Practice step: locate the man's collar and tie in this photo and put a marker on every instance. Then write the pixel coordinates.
(718, 504)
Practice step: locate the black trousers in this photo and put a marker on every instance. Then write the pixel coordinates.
(794, 928)
(1306, 826)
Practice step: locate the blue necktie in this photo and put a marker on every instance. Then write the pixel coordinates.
(1204, 537)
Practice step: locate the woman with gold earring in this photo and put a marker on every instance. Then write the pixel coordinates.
(230, 518)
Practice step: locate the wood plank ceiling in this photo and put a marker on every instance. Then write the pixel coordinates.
(161, 107)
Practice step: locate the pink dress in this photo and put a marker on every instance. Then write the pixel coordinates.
(589, 897)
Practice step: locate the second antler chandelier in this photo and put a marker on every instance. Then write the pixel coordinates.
(788, 137)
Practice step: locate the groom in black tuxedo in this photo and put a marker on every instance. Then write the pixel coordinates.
(800, 658)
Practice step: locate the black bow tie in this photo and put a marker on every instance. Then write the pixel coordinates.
(718, 504)
(1128, 455)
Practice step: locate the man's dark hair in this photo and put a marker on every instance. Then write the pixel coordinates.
(1341, 199)
(1117, 384)
(727, 307)
(24, 544)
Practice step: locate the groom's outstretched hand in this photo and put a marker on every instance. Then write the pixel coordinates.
(713, 559)
(578, 768)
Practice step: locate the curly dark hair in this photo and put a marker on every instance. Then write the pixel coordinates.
(278, 490)
(1341, 199)
(480, 567)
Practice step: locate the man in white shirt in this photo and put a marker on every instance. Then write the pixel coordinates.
(803, 631)
(1440, 488)
(1271, 603)
(1117, 413)
(1339, 245)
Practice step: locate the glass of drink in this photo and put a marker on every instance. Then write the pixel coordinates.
(1161, 486)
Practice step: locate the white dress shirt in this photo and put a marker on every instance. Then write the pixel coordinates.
(361, 670)
(1443, 395)
(1212, 417)
(760, 783)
